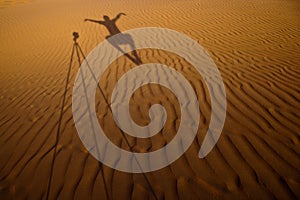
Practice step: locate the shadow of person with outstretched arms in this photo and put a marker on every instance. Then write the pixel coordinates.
(125, 39)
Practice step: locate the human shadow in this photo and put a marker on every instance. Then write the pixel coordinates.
(124, 39)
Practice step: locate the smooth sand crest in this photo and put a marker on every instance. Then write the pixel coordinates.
(256, 46)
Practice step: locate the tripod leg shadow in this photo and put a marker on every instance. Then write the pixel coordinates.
(78, 52)
(107, 103)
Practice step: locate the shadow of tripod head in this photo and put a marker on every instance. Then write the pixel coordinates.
(75, 36)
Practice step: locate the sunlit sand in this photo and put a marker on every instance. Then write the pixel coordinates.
(254, 44)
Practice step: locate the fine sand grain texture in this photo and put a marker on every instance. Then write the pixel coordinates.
(256, 47)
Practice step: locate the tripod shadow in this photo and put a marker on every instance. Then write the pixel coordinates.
(124, 39)
(80, 54)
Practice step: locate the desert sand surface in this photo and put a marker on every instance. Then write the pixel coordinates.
(256, 47)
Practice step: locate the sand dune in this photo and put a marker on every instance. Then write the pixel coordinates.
(256, 46)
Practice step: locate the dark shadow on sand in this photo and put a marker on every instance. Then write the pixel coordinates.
(124, 39)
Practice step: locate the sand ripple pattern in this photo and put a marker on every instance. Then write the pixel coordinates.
(256, 46)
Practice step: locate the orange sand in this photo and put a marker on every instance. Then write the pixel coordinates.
(256, 46)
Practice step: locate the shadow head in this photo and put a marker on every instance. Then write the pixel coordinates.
(106, 18)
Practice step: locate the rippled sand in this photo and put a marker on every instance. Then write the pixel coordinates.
(256, 46)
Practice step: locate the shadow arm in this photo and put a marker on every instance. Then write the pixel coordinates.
(92, 20)
(118, 16)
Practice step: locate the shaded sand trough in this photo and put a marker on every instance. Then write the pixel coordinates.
(256, 46)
